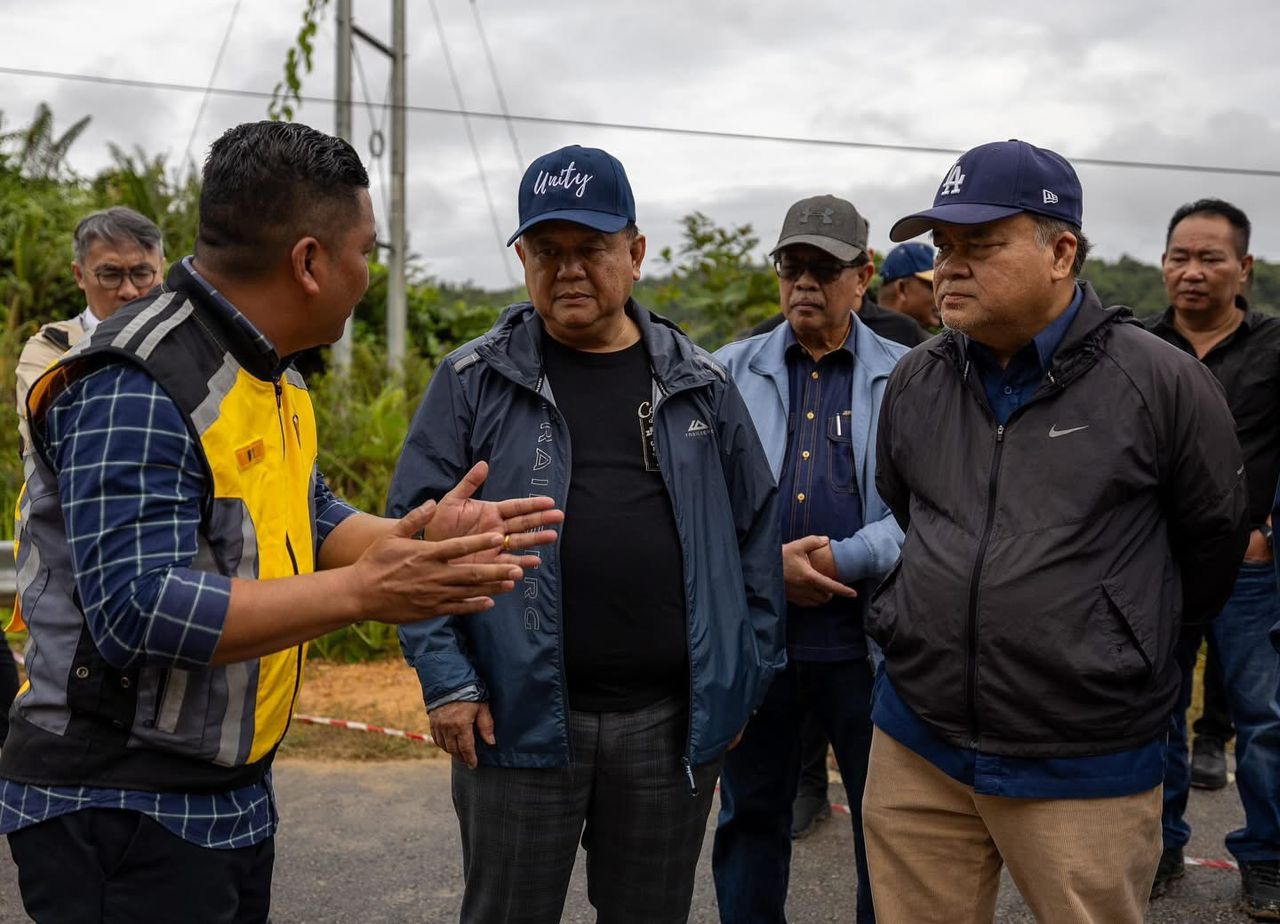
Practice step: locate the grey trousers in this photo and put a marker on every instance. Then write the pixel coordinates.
(626, 798)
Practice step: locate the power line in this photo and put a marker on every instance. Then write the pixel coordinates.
(475, 148)
(636, 127)
(497, 85)
(204, 98)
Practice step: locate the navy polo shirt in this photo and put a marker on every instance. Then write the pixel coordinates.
(818, 488)
(1122, 773)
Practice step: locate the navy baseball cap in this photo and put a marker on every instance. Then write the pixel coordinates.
(996, 180)
(584, 185)
(913, 258)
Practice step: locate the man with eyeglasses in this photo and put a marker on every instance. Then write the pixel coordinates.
(119, 256)
(813, 387)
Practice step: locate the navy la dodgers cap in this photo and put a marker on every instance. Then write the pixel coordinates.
(584, 185)
(996, 180)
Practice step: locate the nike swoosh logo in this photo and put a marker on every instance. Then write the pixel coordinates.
(1054, 432)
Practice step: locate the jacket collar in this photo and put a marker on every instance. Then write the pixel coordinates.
(1165, 322)
(869, 351)
(248, 344)
(1079, 347)
(513, 347)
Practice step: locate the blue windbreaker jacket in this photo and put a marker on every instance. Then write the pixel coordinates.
(490, 400)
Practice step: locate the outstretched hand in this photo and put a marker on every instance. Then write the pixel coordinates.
(521, 520)
(405, 580)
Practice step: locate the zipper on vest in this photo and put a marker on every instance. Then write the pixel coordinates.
(971, 681)
(280, 420)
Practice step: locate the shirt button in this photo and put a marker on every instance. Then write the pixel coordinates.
(1008, 389)
(805, 454)
(82, 673)
(809, 416)
(800, 497)
(813, 375)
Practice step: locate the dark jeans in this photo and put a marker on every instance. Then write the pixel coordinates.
(8, 686)
(643, 824)
(1215, 719)
(1251, 675)
(751, 859)
(107, 866)
(813, 758)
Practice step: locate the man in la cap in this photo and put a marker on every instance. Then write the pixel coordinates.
(1073, 497)
(906, 284)
(813, 386)
(597, 706)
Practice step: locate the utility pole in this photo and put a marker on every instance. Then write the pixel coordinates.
(397, 295)
(397, 299)
(342, 126)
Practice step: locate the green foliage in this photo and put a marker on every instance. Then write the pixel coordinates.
(289, 90)
(362, 419)
(715, 290)
(143, 183)
(1127, 282)
(362, 641)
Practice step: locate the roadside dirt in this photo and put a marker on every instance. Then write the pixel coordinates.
(382, 693)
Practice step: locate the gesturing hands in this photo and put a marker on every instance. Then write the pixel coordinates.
(467, 557)
(460, 514)
(809, 572)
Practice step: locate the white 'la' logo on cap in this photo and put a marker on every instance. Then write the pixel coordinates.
(951, 184)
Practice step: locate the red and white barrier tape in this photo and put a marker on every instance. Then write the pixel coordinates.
(363, 726)
(837, 807)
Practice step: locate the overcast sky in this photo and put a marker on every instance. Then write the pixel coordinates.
(1150, 80)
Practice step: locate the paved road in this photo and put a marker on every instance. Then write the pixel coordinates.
(378, 843)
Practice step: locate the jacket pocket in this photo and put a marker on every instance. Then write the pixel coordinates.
(1129, 635)
(880, 610)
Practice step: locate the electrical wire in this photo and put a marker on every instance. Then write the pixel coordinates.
(377, 127)
(497, 85)
(204, 98)
(638, 127)
(475, 148)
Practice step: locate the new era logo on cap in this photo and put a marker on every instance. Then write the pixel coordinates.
(584, 185)
(997, 180)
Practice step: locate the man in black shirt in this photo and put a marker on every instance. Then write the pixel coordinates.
(598, 708)
(1206, 268)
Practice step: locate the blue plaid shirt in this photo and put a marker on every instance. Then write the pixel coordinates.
(131, 483)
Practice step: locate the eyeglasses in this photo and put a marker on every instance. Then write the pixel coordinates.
(112, 277)
(823, 271)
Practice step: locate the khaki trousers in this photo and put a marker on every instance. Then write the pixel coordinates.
(935, 848)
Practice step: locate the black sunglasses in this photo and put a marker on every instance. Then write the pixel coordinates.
(823, 271)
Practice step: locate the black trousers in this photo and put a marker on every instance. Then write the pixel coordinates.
(626, 798)
(103, 866)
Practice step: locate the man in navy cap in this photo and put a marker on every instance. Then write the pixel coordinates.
(906, 284)
(597, 706)
(1073, 497)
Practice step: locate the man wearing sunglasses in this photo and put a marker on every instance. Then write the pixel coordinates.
(813, 387)
(119, 256)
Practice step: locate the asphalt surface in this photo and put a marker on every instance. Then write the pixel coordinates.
(377, 842)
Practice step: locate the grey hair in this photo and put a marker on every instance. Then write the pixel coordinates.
(1047, 231)
(117, 225)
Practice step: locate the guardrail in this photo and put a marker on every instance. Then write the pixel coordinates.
(8, 574)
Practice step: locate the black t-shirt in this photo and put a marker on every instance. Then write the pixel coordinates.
(622, 575)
